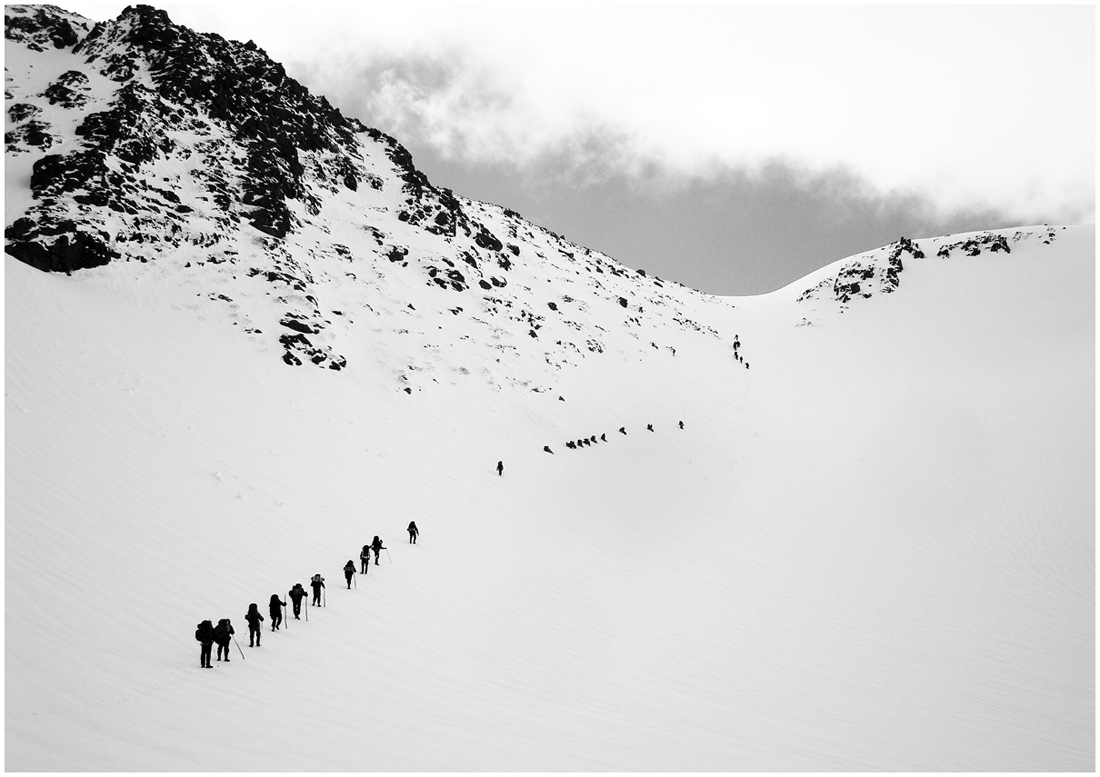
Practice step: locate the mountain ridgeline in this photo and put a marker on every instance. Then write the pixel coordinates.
(151, 149)
(139, 149)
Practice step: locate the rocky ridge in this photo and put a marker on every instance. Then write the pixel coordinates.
(152, 150)
(879, 271)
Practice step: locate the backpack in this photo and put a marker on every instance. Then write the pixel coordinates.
(221, 633)
(205, 632)
(366, 551)
(318, 579)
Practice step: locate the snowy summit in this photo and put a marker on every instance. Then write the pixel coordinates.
(847, 525)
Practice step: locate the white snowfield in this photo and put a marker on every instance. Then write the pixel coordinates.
(874, 549)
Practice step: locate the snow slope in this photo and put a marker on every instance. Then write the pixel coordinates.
(871, 550)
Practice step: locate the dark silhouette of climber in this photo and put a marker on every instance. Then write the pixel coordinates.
(296, 594)
(377, 547)
(275, 609)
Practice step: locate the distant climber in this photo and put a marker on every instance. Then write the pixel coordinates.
(377, 547)
(622, 429)
(547, 448)
(223, 632)
(349, 571)
(364, 559)
(297, 594)
(681, 424)
(603, 437)
(500, 468)
(254, 628)
(275, 610)
(413, 532)
(317, 583)
(204, 633)
(649, 427)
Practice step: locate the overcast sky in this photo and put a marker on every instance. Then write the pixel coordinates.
(732, 148)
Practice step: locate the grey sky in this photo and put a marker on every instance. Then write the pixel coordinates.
(732, 234)
(732, 148)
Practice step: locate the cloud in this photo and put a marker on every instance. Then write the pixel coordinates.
(977, 107)
(969, 106)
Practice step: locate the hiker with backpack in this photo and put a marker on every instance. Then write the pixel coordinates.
(500, 468)
(349, 572)
(275, 608)
(296, 594)
(254, 628)
(223, 632)
(413, 532)
(205, 636)
(364, 559)
(317, 583)
(377, 546)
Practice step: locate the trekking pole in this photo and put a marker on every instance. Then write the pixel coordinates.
(238, 646)
(324, 598)
(390, 560)
(306, 608)
(286, 620)
(355, 579)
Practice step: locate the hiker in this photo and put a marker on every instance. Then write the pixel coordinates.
(254, 628)
(622, 429)
(222, 634)
(275, 608)
(204, 633)
(349, 570)
(681, 424)
(364, 559)
(296, 594)
(500, 468)
(413, 532)
(317, 583)
(649, 427)
(377, 546)
(547, 448)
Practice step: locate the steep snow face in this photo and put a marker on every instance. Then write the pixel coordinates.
(174, 153)
(869, 546)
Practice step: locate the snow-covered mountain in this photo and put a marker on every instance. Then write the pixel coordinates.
(245, 335)
(171, 153)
